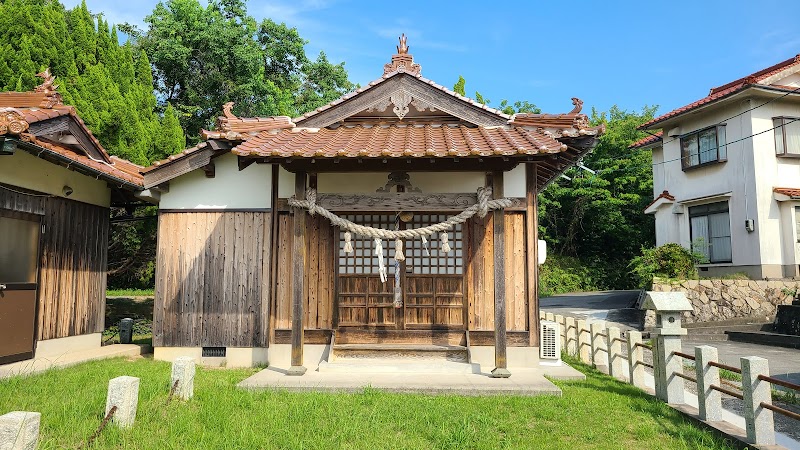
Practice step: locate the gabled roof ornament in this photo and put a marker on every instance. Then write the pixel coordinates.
(402, 60)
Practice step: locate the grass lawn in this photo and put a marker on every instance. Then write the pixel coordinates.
(597, 413)
(130, 292)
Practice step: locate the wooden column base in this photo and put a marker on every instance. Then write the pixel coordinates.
(500, 373)
(296, 371)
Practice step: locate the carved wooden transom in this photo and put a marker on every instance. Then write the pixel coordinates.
(399, 179)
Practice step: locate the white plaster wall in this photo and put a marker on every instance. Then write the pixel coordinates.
(789, 246)
(229, 189)
(27, 171)
(772, 172)
(736, 176)
(286, 183)
(658, 172)
(429, 182)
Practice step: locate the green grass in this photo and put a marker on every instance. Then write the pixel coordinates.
(596, 413)
(130, 292)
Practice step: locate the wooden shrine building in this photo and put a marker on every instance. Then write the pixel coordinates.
(251, 267)
(57, 184)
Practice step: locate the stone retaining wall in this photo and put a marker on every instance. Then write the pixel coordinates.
(730, 299)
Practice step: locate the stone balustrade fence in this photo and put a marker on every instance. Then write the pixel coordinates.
(604, 348)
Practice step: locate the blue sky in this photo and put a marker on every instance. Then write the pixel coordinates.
(628, 53)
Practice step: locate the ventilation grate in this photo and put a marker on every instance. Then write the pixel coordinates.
(214, 352)
(548, 347)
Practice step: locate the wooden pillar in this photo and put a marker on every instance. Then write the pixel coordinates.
(498, 219)
(532, 238)
(298, 272)
(273, 256)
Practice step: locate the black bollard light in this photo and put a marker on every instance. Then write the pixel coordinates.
(126, 331)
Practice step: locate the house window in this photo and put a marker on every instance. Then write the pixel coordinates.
(710, 228)
(787, 136)
(703, 147)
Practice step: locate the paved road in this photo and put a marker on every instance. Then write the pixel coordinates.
(619, 307)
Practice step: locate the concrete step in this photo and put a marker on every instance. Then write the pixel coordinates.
(765, 338)
(397, 365)
(729, 322)
(412, 352)
(722, 329)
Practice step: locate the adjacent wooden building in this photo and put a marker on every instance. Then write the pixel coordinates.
(242, 273)
(56, 186)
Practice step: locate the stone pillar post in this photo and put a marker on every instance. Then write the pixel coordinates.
(572, 337)
(759, 421)
(616, 364)
(709, 401)
(599, 347)
(635, 355)
(674, 386)
(183, 371)
(549, 317)
(123, 392)
(19, 430)
(584, 344)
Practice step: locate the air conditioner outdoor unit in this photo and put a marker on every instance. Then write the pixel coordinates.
(549, 345)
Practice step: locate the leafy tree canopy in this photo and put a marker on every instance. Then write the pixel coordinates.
(109, 84)
(205, 56)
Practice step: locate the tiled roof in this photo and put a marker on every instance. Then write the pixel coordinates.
(396, 141)
(789, 192)
(171, 158)
(728, 89)
(118, 168)
(19, 110)
(646, 141)
(664, 195)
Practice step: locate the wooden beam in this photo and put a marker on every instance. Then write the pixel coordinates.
(498, 219)
(210, 170)
(532, 237)
(273, 263)
(178, 167)
(298, 271)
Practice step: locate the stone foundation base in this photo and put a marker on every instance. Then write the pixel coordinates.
(53, 348)
(234, 356)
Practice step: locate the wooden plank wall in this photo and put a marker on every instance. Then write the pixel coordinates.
(72, 267)
(212, 283)
(319, 275)
(480, 273)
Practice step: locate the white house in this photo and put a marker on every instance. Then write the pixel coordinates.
(726, 174)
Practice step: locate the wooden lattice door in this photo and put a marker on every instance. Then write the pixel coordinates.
(431, 281)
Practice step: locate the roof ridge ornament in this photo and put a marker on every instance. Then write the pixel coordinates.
(402, 61)
(49, 89)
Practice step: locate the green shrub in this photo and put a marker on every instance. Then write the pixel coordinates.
(668, 261)
(561, 274)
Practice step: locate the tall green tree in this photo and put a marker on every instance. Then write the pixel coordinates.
(205, 56)
(599, 218)
(111, 88)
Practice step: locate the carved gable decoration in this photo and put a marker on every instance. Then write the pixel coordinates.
(401, 100)
(399, 179)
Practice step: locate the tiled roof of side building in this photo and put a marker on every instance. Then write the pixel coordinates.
(731, 88)
(20, 110)
(648, 141)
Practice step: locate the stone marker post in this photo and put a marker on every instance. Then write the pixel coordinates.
(183, 370)
(572, 337)
(616, 364)
(668, 307)
(635, 356)
(123, 392)
(549, 317)
(19, 430)
(599, 347)
(759, 421)
(709, 401)
(584, 344)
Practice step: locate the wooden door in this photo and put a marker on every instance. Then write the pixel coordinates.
(431, 281)
(19, 264)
